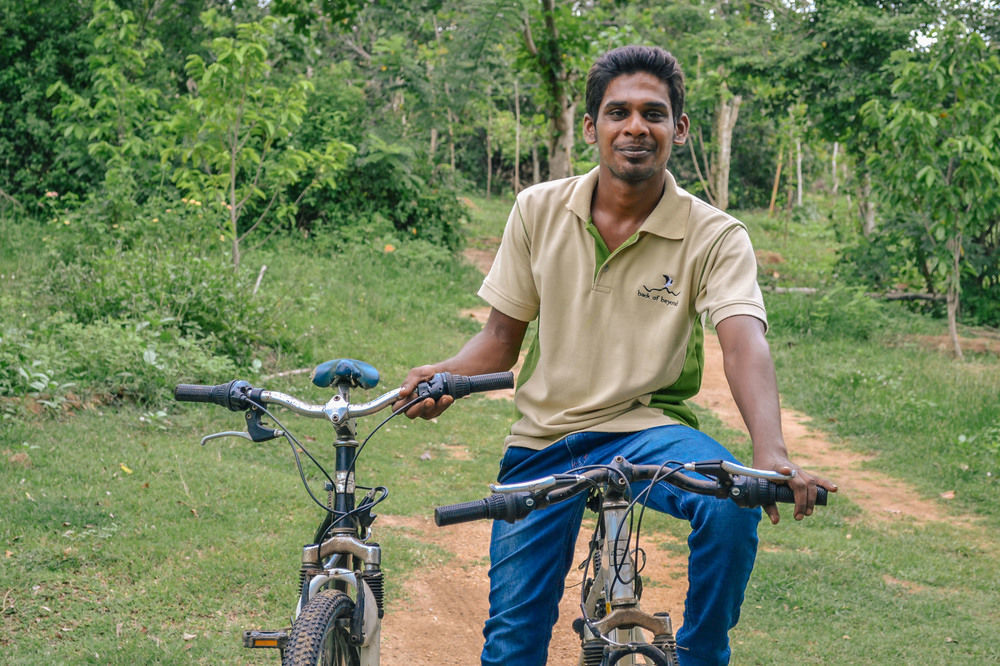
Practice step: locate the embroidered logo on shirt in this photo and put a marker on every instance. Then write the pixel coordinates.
(659, 294)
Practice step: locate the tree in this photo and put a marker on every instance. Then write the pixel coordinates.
(236, 128)
(830, 55)
(937, 162)
(113, 114)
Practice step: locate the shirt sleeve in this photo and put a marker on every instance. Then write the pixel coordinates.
(729, 281)
(510, 285)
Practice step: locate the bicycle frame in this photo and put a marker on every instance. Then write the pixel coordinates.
(343, 551)
(613, 594)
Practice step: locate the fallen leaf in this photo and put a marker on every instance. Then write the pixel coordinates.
(389, 247)
(125, 468)
(950, 494)
(186, 636)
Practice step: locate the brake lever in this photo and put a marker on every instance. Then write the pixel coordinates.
(256, 431)
(227, 433)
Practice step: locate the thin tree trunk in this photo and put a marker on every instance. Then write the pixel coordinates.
(536, 165)
(833, 171)
(451, 137)
(777, 182)
(725, 120)
(866, 207)
(489, 156)
(517, 137)
(798, 172)
(954, 286)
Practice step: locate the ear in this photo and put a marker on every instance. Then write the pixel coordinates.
(681, 130)
(589, 130)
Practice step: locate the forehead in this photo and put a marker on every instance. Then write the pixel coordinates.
(639, 88)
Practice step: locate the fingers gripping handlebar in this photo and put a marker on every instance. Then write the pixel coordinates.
(459, 386)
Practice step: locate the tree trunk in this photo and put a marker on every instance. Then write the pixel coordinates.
(725, 120)
(489, 158)
(866, 207)
(833, 171)
(517, 137)
(777, 182)
(954, 286)
(563, 138)
(562, 106)
(536, 165)
(798, 172)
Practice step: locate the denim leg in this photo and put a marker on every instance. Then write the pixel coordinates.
(529, 561)
(722, 543)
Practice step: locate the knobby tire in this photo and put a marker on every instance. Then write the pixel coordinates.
(320, 636)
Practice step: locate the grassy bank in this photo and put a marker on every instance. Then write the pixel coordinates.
(126, 542)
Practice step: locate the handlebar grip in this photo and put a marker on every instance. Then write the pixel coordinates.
(490, 382)
(197, 392)
(499, 506)
(459, 386)
(751, 491)
(231, 395)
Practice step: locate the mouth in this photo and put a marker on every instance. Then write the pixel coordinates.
(634, 151)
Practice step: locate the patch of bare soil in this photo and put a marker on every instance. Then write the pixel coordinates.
(942, 343)
(441, 619)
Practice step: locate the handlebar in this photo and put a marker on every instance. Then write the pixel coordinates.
(748, 488)
(239, 395)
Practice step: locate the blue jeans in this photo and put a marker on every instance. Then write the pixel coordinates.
(531, 558)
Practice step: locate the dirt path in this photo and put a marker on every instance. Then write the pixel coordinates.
(440, 622)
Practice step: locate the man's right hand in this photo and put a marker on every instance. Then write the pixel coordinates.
(429, 408)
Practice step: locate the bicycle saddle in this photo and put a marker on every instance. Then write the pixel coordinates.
(356, 373)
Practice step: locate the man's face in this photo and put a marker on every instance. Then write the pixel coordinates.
(635, 127)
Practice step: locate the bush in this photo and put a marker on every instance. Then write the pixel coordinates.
(841, 312)
(195, 292)
(59, 361)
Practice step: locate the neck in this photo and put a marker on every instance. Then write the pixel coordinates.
(625, 200)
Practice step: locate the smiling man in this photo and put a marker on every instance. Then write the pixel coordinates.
(613, 360)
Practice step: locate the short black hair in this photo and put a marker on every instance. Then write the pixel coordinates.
(631, 60)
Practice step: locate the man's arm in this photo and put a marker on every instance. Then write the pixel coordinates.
(494, 349)
(750, 372)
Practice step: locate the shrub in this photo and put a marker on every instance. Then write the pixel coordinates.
(841, 312)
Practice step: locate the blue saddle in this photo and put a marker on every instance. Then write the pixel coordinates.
(356, 373)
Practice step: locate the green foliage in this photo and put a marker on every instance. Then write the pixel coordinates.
(937, 167)
(114, 115)
(41, 43)
(60, 362)
(128, 318)
(236, 151)
(838, 313)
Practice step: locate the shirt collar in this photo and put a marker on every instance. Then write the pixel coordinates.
(668, 219)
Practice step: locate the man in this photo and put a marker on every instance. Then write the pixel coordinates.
(619, 266)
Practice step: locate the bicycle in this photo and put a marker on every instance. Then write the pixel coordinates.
(338, 617)
(612, 627)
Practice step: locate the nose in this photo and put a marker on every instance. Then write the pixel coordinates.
(635, 125)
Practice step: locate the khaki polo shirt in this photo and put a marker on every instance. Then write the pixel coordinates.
(618, 346)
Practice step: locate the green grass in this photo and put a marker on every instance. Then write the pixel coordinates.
(126, 542)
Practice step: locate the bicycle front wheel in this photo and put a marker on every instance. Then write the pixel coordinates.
(320, 635)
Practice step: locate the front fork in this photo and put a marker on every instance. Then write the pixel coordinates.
(617, 587)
